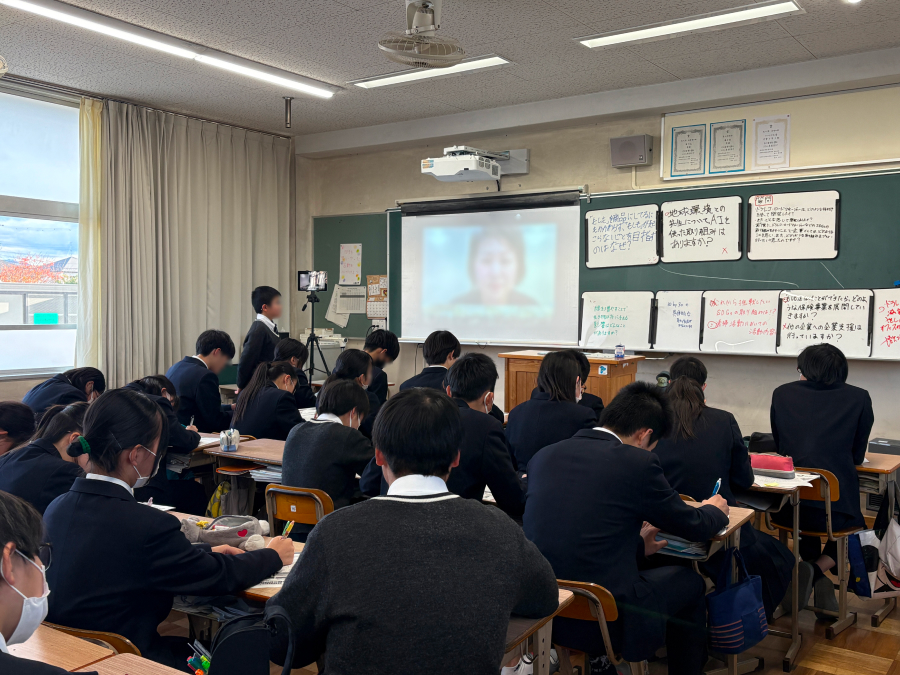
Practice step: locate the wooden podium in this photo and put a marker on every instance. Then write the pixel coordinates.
(608, 375)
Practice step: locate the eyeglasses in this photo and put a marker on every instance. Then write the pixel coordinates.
(45, 553)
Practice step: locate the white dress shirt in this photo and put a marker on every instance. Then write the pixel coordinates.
(195, 356)
(610, 432)
(266, 320)
(417, 485)
(110, 479)
(327, 417)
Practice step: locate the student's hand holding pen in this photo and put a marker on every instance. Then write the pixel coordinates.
(284, 547)
(719, 502)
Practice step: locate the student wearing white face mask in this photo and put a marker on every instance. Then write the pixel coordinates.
(23, 586)
(329, 451)
(119, 564)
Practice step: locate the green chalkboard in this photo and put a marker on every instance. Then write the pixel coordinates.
(329, 233)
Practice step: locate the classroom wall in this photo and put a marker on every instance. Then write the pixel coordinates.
(568, 156)
(14, 390)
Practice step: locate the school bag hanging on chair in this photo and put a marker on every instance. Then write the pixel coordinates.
(874, 556)
(737, 617)
(242, 645)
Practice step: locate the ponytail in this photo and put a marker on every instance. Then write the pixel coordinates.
(58, 421)
(265, 372)
(686, 397)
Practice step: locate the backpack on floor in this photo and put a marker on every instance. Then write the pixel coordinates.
(241, 647)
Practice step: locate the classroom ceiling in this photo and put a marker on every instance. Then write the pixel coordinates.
(336, 42)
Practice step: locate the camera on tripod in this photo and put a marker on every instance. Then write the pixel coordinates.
(312, 281)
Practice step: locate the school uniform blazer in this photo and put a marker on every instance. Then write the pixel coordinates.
(379, 385)
(369, 420)
(118, 565)
(55, 391)
(326, 456)
(595, 403)
(37, 473)
(12, 665)
(181, 440)
(432, 377)
(539, 422)
(693, 465)
(303, 393)
(198, 388)
(587, 498)
(259, 346)
(271, 414)
(825, 427)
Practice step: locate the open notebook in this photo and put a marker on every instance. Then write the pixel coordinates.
(278, 578)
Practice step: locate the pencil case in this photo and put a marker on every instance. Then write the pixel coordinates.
(229, 440)
(777, 466)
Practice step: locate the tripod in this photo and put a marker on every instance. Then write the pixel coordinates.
(313, 339)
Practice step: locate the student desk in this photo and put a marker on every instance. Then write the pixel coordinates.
(884, 468)
(262, 451)
(129, 664)
(608, 375)
(521, 629)
(60, 649)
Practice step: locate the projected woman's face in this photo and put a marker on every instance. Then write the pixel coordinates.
(496, 271)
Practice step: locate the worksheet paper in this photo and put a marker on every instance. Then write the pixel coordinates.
(279, 577)
(351, 299)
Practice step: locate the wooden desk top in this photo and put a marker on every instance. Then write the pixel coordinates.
(129, 664)
(262, 450)
(737, 516)
(520, 628)
(60, 649)
(879, 463)
(537, 355)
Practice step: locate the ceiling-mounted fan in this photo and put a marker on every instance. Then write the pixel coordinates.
(418, 46)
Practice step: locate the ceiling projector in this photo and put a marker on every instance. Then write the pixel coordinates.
(462, 163)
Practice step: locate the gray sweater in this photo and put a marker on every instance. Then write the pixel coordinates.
(401, 585)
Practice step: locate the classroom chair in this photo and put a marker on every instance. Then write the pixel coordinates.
(300, 505)
(592, 603)
(826, 490)
(119, 644)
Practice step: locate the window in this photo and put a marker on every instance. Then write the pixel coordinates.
(39, 183)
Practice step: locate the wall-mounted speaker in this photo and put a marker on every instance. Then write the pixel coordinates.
(628, 151)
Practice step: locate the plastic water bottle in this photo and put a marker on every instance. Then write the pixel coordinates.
(620, 351)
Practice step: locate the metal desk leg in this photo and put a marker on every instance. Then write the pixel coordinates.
(791, 654)
(540, 647)
(889, 604)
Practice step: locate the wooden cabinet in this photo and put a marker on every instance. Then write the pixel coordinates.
(608, 375)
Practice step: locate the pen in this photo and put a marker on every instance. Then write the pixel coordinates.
(192, 421)
(716, 489)
(287, 529)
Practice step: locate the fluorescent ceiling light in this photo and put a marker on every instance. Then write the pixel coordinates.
(476, 63)
(696, 24)
(98, 23)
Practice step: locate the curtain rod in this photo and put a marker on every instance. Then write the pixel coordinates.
(61, 89)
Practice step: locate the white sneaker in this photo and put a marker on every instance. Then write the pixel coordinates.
(523, 667)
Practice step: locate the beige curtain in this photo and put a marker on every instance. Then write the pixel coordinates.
(196, 215)
(88, 344)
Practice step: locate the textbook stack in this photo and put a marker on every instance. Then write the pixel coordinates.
(682, 548)
(268, 476)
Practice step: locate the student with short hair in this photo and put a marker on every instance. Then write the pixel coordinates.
(72, 386)
(260, 341)
(42, 471)
(704, 446)
(23, 584)
(384, 348)
(196, 380)
(118, 565)
(16, 425)
(265, 407)
(295, 352)
(356, 365)
(328, 452)
(823, 423)
(589, 501)
(381, 584)
(552, 414)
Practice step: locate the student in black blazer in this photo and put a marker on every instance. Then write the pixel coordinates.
(170, 488)
(196, 380)
(706, 445)
(260, 341)
(265, 407)
(823, 423)
(295, 352)
(552, 414)
(588, 504)
(587, 400)
(384, 348)
(328, 452)
(117, 564)
(72, 386)
(23, 586)
(16, 425)
(42, 471)
(356, 365)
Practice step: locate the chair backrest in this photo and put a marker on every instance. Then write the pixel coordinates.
(825, 490)
(300, 505)
(593, 603)
(119, 644)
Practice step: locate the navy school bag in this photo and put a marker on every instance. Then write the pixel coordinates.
(737, 618)
(241, 647)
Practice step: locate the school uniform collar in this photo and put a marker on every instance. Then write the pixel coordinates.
(417, 485)
(538, 395)
(3, 647)
(612, 433)
(599, 434)
(268, 322)
(99, 478)
(45, 445)
(202, 362)
(328, 417)
(435, 368)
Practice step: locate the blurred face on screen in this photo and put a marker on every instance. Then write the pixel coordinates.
(496, 270)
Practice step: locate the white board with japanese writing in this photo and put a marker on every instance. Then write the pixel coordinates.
(613, 318)
(701, 230)
(886, 324)
(838, 317)
(621, 237)
(794, 226)
(678, 321)
(740, 322)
